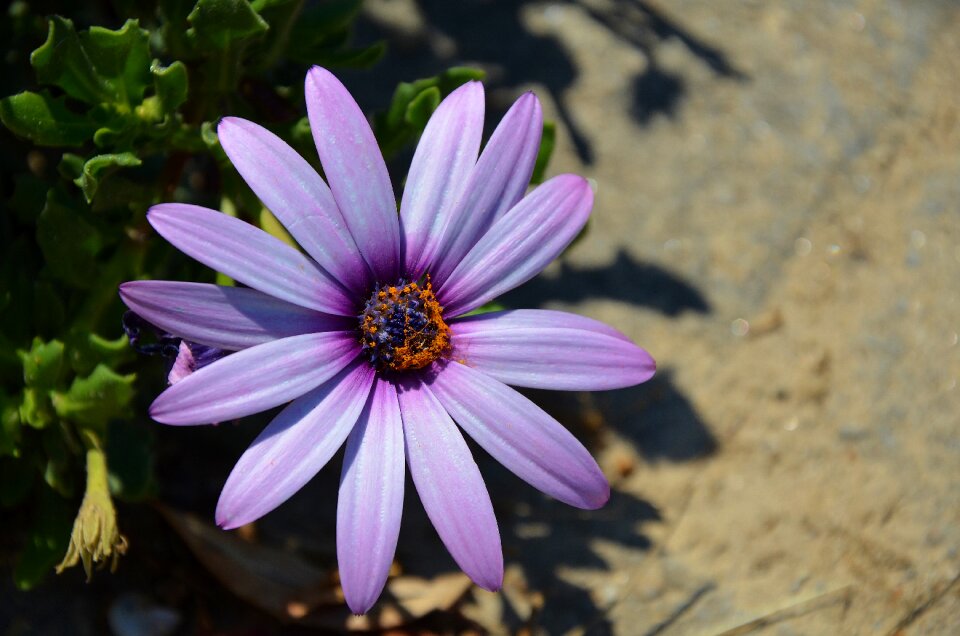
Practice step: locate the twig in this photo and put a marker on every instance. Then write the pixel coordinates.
(681, 609)
(794, 610)
(919, 610)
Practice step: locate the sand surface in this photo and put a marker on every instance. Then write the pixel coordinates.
(778, 222)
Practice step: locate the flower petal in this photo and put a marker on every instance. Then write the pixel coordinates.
(521, 436)
(356, 172)
(371, 499)
(249, 255)
(294, 447)
(295, 193)
(441, 165)
(224, 317)
(450, 486)
(496, 183)
(519, 244)
(550, 350)
(255, 379)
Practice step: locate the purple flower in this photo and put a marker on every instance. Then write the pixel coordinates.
(366, 335)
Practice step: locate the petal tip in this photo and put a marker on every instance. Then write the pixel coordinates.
(651, 368)
(157, 415)
(225, 125)
(597, 499)
(317, 75)
(359, 605)
(491, 583)
(225, 523)
(227, 518)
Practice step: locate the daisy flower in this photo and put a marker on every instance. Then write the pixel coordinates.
(366, 332)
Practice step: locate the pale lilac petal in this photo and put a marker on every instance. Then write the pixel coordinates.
(297, 196)
(250, 256)
(550, 350)
(496, 184)
(521, 436)
(450, 487)
(256, 379)
(519, 244)
(445, 155)
(294, 447)
(355, 171)
(371, 499)
(224, 317)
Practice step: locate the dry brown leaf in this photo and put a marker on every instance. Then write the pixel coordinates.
(273, 580)
(293, 590)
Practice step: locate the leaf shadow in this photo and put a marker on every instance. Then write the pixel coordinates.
(625, 279)
(498, 37)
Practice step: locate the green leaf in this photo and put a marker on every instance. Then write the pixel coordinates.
(97, 398)
(456, 76)
(223, 29)
(35, 409)
(486, 308)
(173, 14)
(58, 471)
(44, 120)
(95, 66)
(222, 24)
(122, 57)
(29, 197)
(9, 433)
(271, 225)
(64, 62)
(361, 58)
(208, 133)
(69, 244)
(421, 107)
(19, 264)
(323, 30)
(87, 350)
(404, 119)
(17, 477)
(547, 142)
(130, 459)
(49, 313)
(43, 365)
(169, 85)
(70, 166)
(100, 167)
(282, 16)
(323, 19)
(47, 542)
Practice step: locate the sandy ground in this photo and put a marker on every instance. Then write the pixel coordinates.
(778, 222)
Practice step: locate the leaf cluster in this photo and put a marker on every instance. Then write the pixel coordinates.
(101, 123)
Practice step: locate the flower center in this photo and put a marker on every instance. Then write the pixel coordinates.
(401, 327)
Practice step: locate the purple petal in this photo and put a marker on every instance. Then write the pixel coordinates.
(520, 244)
(521, 436)
(371, 499)
(294, 447)
(550, 350)
(496, 184)
(445, 156)
(356, 172)
(296, 194)
(249, 255)
(450, 487)
(256, 379)
(225, 317)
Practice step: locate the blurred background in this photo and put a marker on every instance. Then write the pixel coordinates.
(777, 221)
